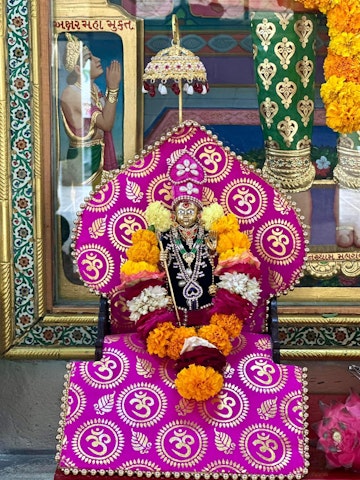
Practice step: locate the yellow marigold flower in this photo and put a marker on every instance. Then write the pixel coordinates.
(177, 341)
(331, 89)
(144, 252)
(158, 339)
(158, 216)
(198, 383)
(344, 17)
(144, 235)
(217, 336)
(224, 244)
(339, 66)
(346, 44)
(230, 323)
(210, 214)
(130, 267)
(225, 224)
(233, 252)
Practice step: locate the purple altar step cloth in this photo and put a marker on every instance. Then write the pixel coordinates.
(123, 415)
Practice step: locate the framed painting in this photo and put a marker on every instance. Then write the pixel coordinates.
(86, 59)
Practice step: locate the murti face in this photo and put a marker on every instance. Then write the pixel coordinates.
(186, 214)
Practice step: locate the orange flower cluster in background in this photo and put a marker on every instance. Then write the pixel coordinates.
(341, 90)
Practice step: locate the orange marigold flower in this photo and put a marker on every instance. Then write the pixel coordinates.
(144, 235)
(131, 268)
(177, 341)
(226, 224)
(230, 323)
(198, 383)
(144, 252)
(348, 68)
(217, 336)
(158, 339)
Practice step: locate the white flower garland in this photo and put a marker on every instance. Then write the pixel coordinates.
(241, 284)
(149, 300)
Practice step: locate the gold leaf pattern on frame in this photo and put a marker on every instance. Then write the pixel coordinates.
(105, 404)
(184, 407)
(140, 442)
(268, 409)
(224, 442)
(133, 191)
(98, 228)
(144, 368)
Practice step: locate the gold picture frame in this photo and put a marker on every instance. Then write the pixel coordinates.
(38, 282)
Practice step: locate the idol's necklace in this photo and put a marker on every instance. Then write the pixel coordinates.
(194, 247)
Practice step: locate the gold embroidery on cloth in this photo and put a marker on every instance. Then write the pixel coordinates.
(286, 91)
(98, 228)
(304, 68)
(141, 168)
(228, 409)
(245, 198)
(285, 50)
(264, 376)
(144, 368)
(266, 71)
(305, 107)
(216, 163)
(291, 411)
(224, 443)
(265, 447)
(265, 32)
(284, 19)
(123, 224)
(268, 409)
(105, 404)
(140, 442)
(98, 264)
(160, 188)
(188, 442)
(303, 29)
(93, 439)
(141, 405)
(288, 129)
(108, 372)
(133, 192)
(76, 403)
(268, 110)
(105, 198)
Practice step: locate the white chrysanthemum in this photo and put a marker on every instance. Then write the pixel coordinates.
(241, 284)
(149, 300)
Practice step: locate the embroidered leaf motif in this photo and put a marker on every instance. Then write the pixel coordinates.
(263, 344)
(133, 192)
(267, 409)
(184, 407)
(276, 280)
(281, 204)
(140, 442)
(105, 404)
(98, 228)
(144, 368)
(224, 443)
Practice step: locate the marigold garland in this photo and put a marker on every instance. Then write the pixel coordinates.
(341, 90)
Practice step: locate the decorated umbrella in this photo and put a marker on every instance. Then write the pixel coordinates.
(177, 68)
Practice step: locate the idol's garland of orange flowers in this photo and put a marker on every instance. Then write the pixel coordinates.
(199, 352)
(341, 90)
